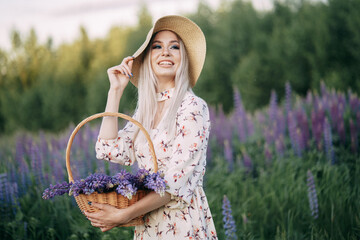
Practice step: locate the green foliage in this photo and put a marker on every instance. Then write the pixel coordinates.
(272, 201)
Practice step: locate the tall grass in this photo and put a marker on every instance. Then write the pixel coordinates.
(290, 171)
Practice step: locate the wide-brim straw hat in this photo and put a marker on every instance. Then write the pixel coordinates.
(192, 37)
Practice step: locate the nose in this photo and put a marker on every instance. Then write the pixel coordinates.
(165, 51)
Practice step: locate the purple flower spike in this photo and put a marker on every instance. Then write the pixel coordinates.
(156, 182)
(140, 178)
(329, 150)
(353, 136)
(280, 146)
(247, 161)
(56, 190)
(313, 201)
(228, 153)
(294, 134)
(124, 185)
(229, 223)
(240, 116)
(287, 97)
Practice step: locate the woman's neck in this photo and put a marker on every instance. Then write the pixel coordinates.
(165, 85)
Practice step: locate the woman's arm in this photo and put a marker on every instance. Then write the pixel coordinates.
(119, 78)
(109, 217)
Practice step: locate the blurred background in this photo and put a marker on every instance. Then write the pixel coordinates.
(282, 81)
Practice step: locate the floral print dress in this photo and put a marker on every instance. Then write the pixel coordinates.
(182, 158)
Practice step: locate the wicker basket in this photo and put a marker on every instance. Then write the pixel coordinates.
(111, 198)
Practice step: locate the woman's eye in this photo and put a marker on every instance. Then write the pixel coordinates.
(156, 47)
(175, 47)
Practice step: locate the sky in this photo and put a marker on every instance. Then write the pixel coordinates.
(61, 20)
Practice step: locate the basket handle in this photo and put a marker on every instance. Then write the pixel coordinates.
(98, 115)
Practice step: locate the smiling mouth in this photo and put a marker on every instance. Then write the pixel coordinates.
(165, 63)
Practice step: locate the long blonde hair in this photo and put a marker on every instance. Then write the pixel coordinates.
(147, 103)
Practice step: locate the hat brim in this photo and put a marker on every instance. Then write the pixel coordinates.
(192, 37)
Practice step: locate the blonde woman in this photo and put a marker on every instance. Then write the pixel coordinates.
(164, 68)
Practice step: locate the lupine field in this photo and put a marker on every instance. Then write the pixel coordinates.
(288, 171)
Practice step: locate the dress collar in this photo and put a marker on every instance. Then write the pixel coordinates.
(164, 95)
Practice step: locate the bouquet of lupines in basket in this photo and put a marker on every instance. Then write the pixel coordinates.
(123, 183)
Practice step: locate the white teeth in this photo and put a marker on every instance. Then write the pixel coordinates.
(165, 63)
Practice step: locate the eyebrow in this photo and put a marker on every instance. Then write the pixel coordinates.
(172, 41)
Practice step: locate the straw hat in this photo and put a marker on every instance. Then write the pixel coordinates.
(192, 37)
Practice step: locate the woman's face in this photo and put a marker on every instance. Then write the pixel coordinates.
(165, 55)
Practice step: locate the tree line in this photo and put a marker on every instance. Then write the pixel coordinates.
(298, 41)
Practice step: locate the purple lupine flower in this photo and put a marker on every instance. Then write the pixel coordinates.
(317, 122)
(328, 142)
(313, 201)
(281, 124)
(228, 154)
(99, 182)
(23, 167)
(140, 178)
(293, 133)
(287, 97)
(304, 126)
(123, 183)
(337, 112)
(353, 136)
(56, 190)
(9, 194)
(36, 163)
(57, 167)
(11, 189)
(3, 180)
(78, 187)
(240, 116)
(280, 146)
(341, 131)
(247, 161)
(124, 186)
(156, 182)
(228, 220)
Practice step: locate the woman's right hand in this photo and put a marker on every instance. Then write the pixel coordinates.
(120, 75)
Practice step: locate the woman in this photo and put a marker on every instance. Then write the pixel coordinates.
(164, 69)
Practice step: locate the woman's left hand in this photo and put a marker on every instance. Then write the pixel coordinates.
(107, 217)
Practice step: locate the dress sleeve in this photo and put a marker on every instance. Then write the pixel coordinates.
(187, 165)
(119, 150)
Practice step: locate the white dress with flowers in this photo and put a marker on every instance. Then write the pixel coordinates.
(182, 158)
